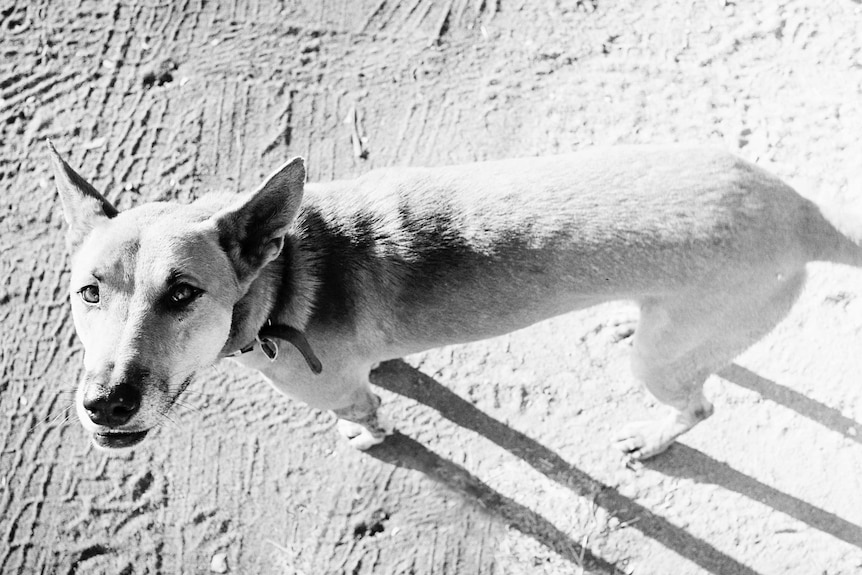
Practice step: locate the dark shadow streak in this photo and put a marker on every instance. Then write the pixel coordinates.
(400, 378)
(814, 410)
(402, 451)
(692, 464)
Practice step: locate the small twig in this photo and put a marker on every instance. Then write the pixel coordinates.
(359, 150)
(584, 542)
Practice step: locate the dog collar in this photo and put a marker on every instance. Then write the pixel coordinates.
(291, 335)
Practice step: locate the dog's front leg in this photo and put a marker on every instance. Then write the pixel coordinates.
(340, 389)
(360, 422)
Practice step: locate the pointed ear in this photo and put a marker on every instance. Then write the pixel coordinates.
(83, 206)
(252, 232)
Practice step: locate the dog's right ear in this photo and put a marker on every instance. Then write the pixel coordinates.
(252, 232)
(83, 206)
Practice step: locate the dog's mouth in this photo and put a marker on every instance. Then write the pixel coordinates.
(119, 439)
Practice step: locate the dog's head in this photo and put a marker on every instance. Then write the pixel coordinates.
(154, 288)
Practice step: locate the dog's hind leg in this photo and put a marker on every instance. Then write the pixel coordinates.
(680, 341)
(360, 422)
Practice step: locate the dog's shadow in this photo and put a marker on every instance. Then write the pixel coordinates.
(804, 406)
(401, 378)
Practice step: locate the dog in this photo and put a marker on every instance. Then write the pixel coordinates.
(401, 260)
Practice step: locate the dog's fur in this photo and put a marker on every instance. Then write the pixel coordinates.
(406, 259)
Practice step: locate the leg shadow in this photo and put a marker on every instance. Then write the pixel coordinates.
(804, 406)
(401, 451)
(401, 378)
(692, 464)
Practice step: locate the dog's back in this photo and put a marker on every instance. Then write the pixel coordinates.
(531, 238)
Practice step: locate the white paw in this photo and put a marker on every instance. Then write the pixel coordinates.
(364, 435)
(643, 439)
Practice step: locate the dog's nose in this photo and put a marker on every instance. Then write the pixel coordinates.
(114, 408)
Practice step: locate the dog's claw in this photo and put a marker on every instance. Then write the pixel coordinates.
(642, 440)
(634, 463)
(365, 435)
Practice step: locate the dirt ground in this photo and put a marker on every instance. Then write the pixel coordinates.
(502, 463)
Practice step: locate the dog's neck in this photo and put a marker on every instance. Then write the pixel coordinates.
(283, 293)
(297, 278)
(253, 310)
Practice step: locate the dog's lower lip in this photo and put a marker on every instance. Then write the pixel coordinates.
(119, 439)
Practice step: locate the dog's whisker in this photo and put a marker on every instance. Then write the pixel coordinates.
(64, 421)
(185, 407)
(167, 417)
(58, 419)
(188, 393)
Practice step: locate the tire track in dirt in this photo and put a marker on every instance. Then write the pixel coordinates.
(433, 19)
(279, 133)
(26, 467)
(20, 87)
(130, 131)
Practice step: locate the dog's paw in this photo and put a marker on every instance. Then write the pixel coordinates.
(642, 440)
(364, 435)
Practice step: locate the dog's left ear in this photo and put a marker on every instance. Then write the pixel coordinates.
(252, 233)
(83, 206)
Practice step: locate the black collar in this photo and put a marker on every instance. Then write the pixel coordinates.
(289, 334)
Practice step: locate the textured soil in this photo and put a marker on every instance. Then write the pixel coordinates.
(502, 462)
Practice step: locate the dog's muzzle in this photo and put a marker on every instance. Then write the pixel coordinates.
(111, 409)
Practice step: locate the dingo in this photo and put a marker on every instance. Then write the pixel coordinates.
(401, 260)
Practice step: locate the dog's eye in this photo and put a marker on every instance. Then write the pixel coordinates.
(90, 294)
(182, 294)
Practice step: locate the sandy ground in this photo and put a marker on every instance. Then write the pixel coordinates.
(502, 464)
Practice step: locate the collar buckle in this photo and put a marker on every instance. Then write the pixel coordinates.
(268, 347)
